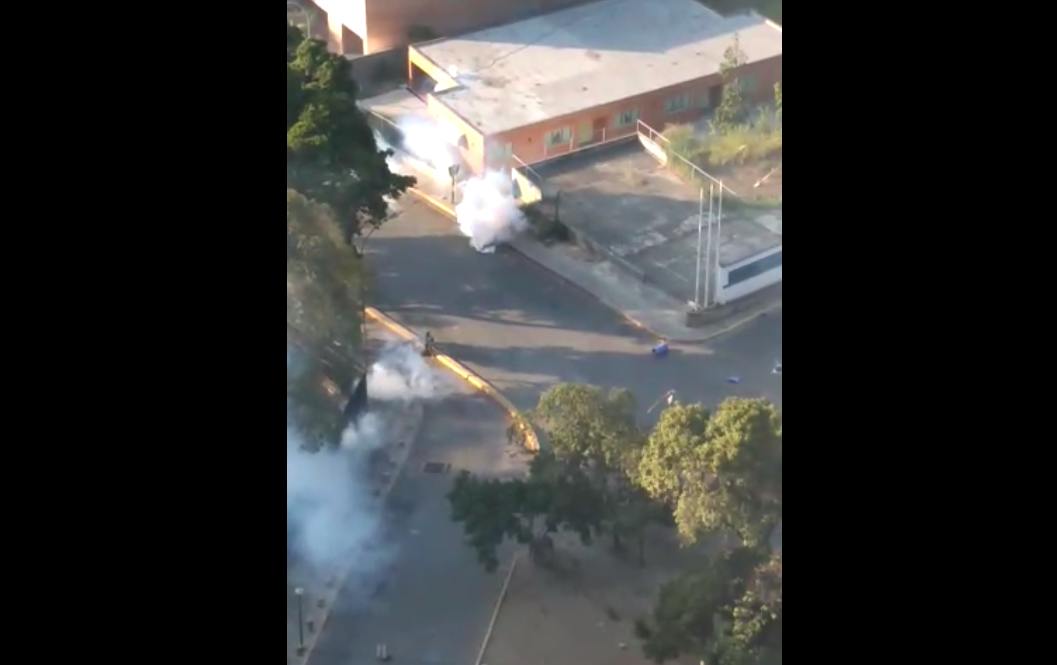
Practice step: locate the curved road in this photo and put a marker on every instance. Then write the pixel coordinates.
(432, 602)
(523, 328)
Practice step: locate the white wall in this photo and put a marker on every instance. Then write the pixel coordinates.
(741, 289)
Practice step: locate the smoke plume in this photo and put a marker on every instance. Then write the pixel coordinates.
(332, 514)
(421, 141)
(403, 376)
(489, 214)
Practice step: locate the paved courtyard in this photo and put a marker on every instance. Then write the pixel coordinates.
(623, 199)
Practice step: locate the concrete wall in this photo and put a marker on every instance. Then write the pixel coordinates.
(389, 21)
(385, 66)
(473, 151)
(528, 187)
(742, 289)
(345, 21)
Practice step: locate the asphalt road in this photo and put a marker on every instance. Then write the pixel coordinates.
(432, 603)
(524, 329)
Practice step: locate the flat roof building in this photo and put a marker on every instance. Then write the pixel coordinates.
(584, 75)
(358, 27)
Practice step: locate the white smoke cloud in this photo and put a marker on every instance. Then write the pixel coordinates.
(489, 214)
(424, 140)
(402, 375)
(331, 513)
(333, 516)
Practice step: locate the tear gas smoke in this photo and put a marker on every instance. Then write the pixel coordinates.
(404, 376)
(422, 142)
(332, 514)
(489, 213)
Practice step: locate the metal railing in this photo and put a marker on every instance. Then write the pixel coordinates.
(601, 137)
(693, 171)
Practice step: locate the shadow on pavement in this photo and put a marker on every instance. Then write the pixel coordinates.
(440, 275)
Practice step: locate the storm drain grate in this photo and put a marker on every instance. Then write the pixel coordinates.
(435, 467)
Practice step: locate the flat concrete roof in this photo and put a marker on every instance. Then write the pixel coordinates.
(395, 104)
(586, 56)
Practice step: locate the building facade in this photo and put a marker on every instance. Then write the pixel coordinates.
(589, 77)
(360, 27)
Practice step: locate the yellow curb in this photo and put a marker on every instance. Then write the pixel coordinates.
(433, 201)
(460, 370)
(495, 612)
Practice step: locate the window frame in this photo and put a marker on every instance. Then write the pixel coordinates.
(686, 103)
(565, 132)
(636, 115)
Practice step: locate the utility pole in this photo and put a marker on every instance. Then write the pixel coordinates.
(700, 223)
(719, 237)
(708, 244)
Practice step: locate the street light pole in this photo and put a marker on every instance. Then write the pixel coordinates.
(453, 171)
(697, 269)
(299, 592)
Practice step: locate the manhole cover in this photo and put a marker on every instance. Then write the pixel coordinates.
(435, 467)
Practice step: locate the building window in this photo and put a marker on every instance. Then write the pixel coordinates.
(677, 104)
(559, 137)
(750, 85)
(501, 152)
(626, 118)
(754, 269)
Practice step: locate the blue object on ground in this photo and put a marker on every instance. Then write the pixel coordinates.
(733, 379)
(660, 350)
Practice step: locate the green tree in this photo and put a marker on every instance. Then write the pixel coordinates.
(588, 426)
(595, 430)
(331, 153)
(555, 496)
(728, 612)
(322, 294)
(778, 101)
(684, 617)
(732, 108)
(754, 618)
(719, 472)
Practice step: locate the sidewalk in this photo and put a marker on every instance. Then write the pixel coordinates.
(642, 305)
(321, 587)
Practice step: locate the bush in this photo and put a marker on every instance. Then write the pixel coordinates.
(743, 143)
(724, 145)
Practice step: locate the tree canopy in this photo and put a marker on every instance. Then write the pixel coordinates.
(554, 496)
(711, 473)
(719, 472)
(323, 278)
(728, 612)
(732, 106)
(331, 153)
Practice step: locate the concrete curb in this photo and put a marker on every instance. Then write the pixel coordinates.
(339, 580)
(446, 209)
(495, 612)
(531, 440)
